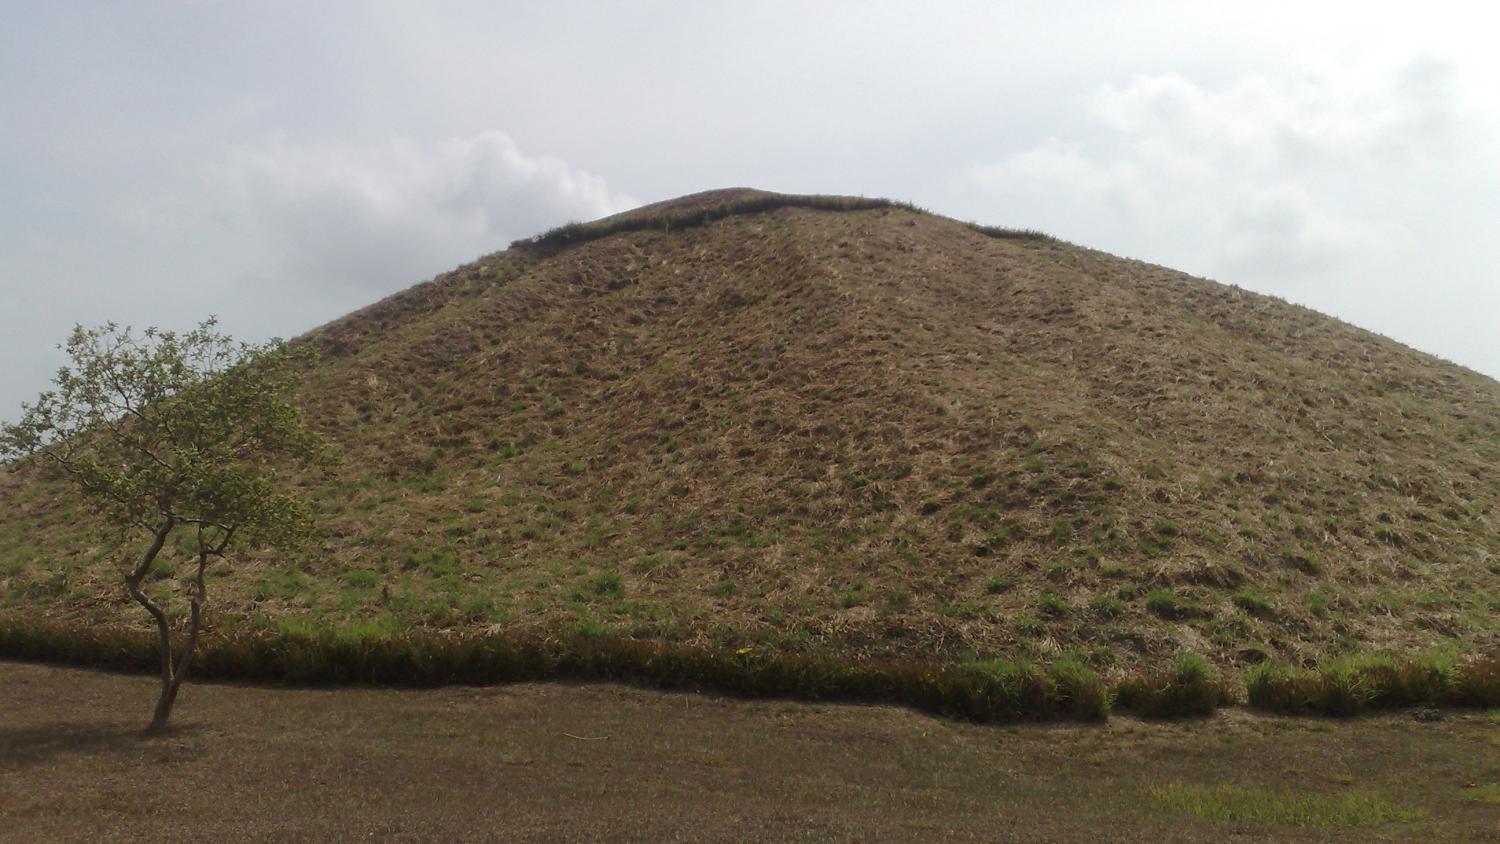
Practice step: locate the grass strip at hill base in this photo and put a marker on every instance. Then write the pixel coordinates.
(1192, 687)
(987, 691)
(994, 691)
(1350, 685)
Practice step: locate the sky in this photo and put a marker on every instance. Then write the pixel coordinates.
(280, 164)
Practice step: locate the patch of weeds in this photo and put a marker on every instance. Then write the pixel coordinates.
(1317, 602)
(1252, 602)
(435, 561)
(1339, 810)
(1192, 687)
(298, 628)
(1107, 606)
(1062, 530)
(1163, 603)
(360, 578)
(1153, 546)
(724, 588)
(652, 562)
(1306, 562)
(477, 608)
(606, 585)
(997, 583)
(1488, 793)
(1050, 603)
(1349, 685)
(960, 609)
(590, 628)
(1030, 626)
(993, 542)
(280, 583)
(853, 596)
(897, 600)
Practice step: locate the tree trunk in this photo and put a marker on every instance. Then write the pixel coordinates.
(177, 672)
(163, 631)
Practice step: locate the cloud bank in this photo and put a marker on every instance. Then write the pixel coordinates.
(1361, 194)
(377, 217)
(1265, 176)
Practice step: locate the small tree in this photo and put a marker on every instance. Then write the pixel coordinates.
(166, 432)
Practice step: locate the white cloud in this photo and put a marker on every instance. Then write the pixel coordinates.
(1361, 193)
(383, 216)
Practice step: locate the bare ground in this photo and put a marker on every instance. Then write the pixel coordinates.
(601, 762)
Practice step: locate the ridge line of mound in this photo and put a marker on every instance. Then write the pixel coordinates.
(573, 234)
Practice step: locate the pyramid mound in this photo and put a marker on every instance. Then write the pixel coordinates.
(850, 426)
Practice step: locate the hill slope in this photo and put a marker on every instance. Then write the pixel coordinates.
(867, 430)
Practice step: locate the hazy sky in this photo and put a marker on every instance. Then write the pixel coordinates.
(279, 164)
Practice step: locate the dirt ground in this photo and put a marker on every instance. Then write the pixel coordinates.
(601, 762)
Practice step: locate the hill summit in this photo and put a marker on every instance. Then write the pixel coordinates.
(849, 426)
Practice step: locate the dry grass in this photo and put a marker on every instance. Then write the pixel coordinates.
(595, 762)
(872, 434)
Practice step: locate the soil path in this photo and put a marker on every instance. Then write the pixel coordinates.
(600, 762)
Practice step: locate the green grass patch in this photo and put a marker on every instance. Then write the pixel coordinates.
(360, 578)
(997, 583)
(1050, 603)
(1488, 793)
(280, 583)
(1312, 810)
(897, 600)
(603, 586)
(1353, 684)
(1252, 602)
(1192, 687)
(1163, 602)
(1107, 606)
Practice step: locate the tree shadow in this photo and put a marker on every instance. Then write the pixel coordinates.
(23, 747)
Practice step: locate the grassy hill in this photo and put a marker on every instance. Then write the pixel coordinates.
(849, 427)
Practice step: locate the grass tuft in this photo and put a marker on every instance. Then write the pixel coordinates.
(1193, 687)
(1353, 684)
